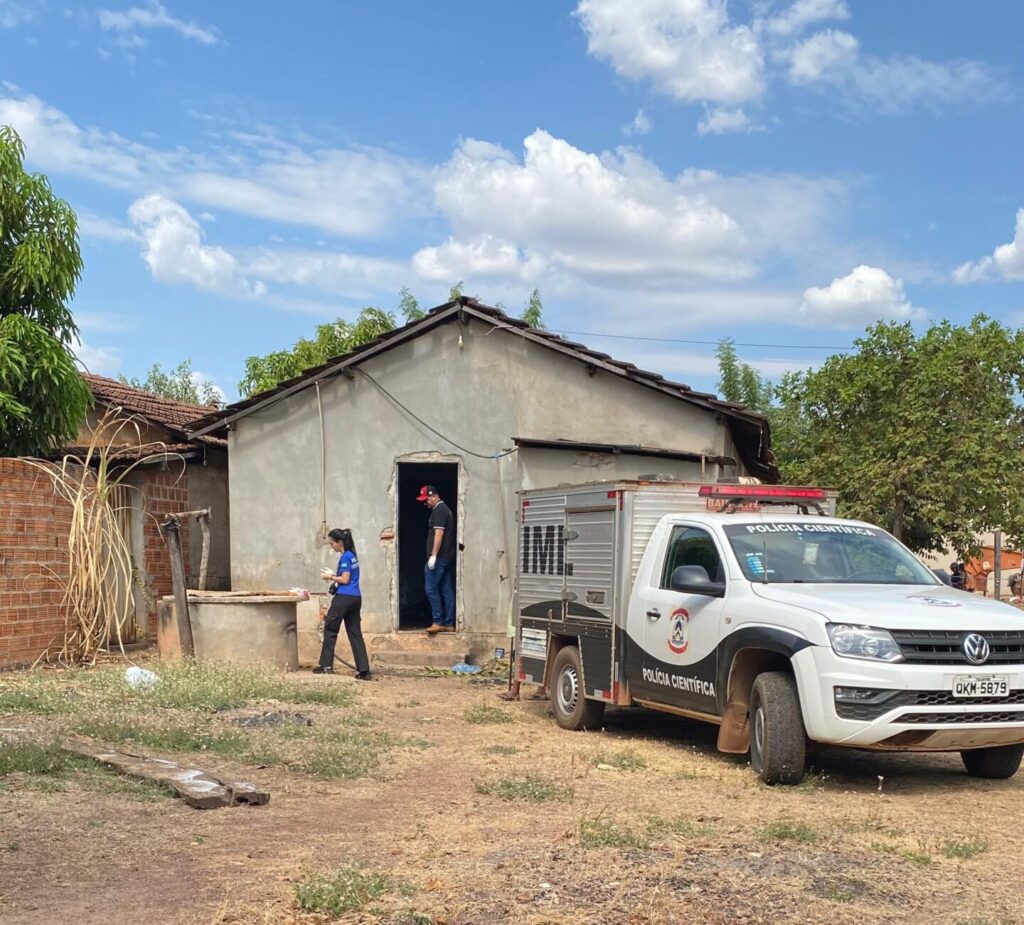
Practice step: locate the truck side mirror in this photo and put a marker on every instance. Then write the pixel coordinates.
(694, 579)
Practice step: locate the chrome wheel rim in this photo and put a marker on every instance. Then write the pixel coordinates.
(757, 739)
(568, 691)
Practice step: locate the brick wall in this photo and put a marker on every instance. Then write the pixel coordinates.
(34, 526)
(164, 492)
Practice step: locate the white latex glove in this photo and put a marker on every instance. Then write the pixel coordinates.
(431, 562)
(326, 573)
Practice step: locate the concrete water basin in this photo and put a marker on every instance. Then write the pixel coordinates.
(243, 627)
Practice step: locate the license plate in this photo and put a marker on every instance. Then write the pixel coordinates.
(967, 686)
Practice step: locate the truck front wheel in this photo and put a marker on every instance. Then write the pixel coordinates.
(995, 763)
(778, 742)
(571, 707)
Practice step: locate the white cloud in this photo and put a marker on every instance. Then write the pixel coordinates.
(361, 192)
(686, 48)
(356, 193)
(833, 60)
(101, 228)
(804, 13)
(154, 15)
(828, 53)
(640, 125)
(591, 227)
(201, 379)
(693, 51)
(866, 295)
(101, 361)
(349, 275)
(173, 248)
(1006, 261)
(613, 218)
(15, 13)
(721, 121)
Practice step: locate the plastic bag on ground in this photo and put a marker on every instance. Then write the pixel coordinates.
(141, 678)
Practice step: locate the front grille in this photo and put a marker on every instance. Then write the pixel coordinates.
(944, 647)
(867, 711)
(1003, 716)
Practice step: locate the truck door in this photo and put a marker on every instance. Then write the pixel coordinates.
(677, 661)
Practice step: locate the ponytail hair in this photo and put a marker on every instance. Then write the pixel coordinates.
(343, 536)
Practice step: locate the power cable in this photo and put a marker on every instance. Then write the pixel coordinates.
(707, 343)
(433, 430)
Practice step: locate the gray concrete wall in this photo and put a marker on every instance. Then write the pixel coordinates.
(479, 387)
(545, 468)
(208, 488)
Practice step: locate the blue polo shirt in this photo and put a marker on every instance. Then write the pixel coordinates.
(349, 563)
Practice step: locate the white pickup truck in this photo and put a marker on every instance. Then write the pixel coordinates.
(747, 606)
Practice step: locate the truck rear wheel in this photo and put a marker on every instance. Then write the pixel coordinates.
(995, 763)
(571, 707)
(778, 742)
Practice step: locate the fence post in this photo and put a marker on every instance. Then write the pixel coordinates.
(188, 648)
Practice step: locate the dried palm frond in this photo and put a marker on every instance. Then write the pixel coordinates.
(97, 602)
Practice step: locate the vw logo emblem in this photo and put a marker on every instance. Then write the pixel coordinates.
(976, 648)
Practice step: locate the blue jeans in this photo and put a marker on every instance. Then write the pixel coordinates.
(440, 588)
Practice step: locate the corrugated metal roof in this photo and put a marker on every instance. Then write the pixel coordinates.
(749, 428)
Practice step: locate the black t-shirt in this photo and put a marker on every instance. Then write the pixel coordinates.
(441, 516)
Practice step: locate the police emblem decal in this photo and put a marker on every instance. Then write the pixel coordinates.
(679, 631)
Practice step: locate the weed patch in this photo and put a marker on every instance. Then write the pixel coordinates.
(788, 831)
(347, 889)
(483, 714)
(659, 827)
(532, 788)
(622, 761)
(598, 832)
(345, 756)
(32, 758)
(963, 849)
(501, 750)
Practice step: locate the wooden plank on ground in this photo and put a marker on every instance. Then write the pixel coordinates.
(196, 787)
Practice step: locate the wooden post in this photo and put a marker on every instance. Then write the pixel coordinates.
(997, 554)
(204, 523)
(188, 647)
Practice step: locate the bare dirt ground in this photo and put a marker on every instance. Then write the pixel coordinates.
(642, 823)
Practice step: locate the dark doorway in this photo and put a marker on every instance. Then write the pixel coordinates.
(413, 606)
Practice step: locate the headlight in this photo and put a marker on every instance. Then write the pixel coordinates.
(863, 642)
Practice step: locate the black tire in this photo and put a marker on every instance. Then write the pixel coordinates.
(996, 763)
(778, 741)
(571, 707)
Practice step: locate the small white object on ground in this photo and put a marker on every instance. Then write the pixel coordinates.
(141, 678)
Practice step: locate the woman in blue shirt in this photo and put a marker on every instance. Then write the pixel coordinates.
(346, 605)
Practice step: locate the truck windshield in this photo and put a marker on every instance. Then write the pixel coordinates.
(801, 551)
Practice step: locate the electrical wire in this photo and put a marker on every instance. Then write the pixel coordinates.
(706, 343)
(433, 430)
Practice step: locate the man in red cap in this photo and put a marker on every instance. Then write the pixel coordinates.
(439, 575)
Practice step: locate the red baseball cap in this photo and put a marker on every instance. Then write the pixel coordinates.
(425, 491)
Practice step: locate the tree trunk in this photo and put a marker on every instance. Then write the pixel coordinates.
(898, 515)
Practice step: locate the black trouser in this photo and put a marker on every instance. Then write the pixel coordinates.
(345, 608)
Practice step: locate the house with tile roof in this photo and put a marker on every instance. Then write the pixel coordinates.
(479, 405)
(171, 471)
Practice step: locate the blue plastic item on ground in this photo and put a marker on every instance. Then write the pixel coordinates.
(464, 668)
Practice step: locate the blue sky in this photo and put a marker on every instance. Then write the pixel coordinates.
(782, 173)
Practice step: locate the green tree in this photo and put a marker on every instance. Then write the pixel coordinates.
(922, 434)
(178, 383)
(43, 399)
(330, 340)
(533, 314)
(740, 382)
(409, 306)
(456, 292)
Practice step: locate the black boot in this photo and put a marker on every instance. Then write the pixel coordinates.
(323, 669)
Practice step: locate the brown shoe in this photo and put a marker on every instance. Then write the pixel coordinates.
(447, 629)
(435, 628)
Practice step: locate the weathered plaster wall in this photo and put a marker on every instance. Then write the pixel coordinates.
(479, 387)
(208, 488)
